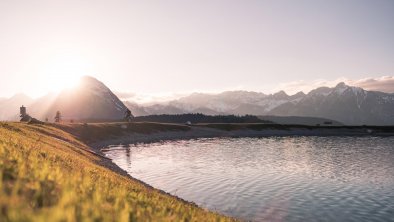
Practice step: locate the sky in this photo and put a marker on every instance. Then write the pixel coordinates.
(172, 47)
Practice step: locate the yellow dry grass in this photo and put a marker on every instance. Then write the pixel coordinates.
(47, 174)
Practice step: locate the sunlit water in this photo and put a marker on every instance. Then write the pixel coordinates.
(273, 179)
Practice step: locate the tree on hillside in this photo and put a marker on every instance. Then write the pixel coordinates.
(128, 116)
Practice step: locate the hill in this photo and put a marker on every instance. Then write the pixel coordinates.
(48, 174)
(90, 100)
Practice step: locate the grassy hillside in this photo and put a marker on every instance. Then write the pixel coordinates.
(199, 118)
(47, 174)
(94, 132)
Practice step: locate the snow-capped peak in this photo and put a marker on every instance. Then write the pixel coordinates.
(280, 95)
(340, 88)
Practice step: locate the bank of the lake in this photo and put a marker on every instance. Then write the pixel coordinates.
(50, 173)
(54, 172)
(100, 135)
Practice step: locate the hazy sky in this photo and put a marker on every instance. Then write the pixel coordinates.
(181, 46)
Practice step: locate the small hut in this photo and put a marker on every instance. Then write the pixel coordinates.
(58, 117)
(26, 117)
(22, 111)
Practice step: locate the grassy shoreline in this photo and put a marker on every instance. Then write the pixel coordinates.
(99, 135)
(49, 174)
(55, 172)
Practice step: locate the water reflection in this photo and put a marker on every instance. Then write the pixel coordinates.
(286, 178)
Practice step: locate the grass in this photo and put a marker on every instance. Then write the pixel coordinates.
(47, 174)
(94, 132)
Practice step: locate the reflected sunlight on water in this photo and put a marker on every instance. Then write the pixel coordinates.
(274, 179)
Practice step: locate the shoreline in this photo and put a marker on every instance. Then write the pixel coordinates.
(130, 133)
(72, 167)
(197, 132)
(109, 164)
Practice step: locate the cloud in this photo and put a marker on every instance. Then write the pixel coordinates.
(148, 98)
(383, 84)
(306, 86)
(125, 95)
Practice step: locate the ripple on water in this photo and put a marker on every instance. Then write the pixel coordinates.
(284, 178)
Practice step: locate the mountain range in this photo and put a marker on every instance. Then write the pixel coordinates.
(347, 104)
(92, 100)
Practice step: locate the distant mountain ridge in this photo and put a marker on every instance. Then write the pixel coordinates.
(9, 108)
(93, 100)
(346, 104)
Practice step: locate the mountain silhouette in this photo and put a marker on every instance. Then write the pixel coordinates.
(90, 100)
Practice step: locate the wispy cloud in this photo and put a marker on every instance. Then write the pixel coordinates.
(383, 84)
(125, 95)
(306, 86)
(148, 98)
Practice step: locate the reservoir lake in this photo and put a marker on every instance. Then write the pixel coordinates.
(273, 178)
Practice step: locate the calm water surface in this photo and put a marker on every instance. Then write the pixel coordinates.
(273, 179)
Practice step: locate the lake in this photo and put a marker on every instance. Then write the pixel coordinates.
(273, 179)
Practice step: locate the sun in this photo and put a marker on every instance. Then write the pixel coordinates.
(64, 81)
(64, 72)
